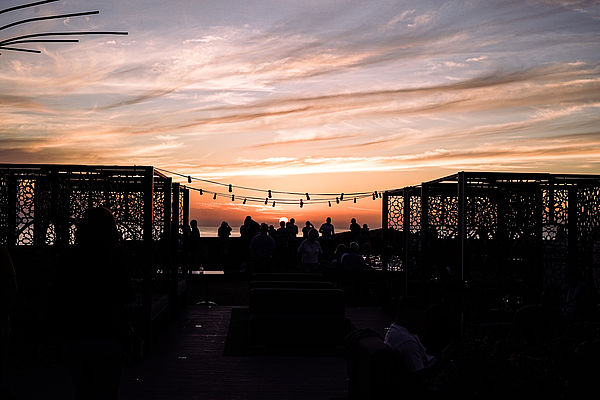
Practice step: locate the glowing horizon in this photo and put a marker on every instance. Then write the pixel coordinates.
(309, 96)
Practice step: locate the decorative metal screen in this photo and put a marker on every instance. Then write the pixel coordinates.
(395, 212)
(510, 224)
(42, 204)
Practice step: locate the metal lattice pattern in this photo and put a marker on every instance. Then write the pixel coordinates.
(42, 205)
(588, 214)
(181, 221)
(158, 211)
(443, 216)
(395, 214)
(481, 217)
(555, 216)
(415, 214)
(519, 214)
(25, 211)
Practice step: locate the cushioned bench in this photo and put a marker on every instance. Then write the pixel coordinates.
(291, 284)
(283, 276)
(297, 317)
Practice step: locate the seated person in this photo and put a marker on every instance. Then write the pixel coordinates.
(353, 260)
(402, 338)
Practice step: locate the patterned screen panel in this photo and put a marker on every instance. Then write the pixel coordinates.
(395, 214)
(43, 205)
(443, 216)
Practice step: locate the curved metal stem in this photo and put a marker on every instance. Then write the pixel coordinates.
(13, 39)
(24, 21)
(37, 3)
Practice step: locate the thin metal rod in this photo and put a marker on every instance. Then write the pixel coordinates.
(46, 41)
(24, 21)
(16, 49)
(37, 3)
(13, 39)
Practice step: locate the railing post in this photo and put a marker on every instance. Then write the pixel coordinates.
(148, 265)
(406, 229)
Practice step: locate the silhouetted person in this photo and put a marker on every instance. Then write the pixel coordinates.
(247, 231)
(292, 228)
(96, 290)
(195, 249)
(185, 244)
(327, 229)
(340, 250)
(310, 251)
(224, 230)
(272, 231)
(8, 293)
(352, 260)
(354, 230)
(261, 248)
(306, 229)
(403, 339)
(223, 233)
(282, 242)
(364, 240)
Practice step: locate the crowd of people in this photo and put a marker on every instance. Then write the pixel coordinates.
(282, 249)
(287, 247)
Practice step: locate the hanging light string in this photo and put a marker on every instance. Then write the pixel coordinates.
(343, 196)
(268, 201)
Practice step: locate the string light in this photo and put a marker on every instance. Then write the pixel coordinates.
(359, 194)
(271, 195)
(273, 204)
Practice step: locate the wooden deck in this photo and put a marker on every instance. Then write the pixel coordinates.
(189, 363)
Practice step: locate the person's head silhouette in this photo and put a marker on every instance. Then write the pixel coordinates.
(328, 220)
(98, 229)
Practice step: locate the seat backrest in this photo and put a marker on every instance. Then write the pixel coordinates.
(286, 276)
(291, 284)
(296, 301)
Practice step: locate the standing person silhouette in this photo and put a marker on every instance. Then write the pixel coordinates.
(327, 231)
(8, 286)
(292, 228)
(306, 229)
(354, 230)
(310, 251)
(223, 233)
(96, 290)
(195, 245)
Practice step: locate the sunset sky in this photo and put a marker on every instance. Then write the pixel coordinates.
(307, 95)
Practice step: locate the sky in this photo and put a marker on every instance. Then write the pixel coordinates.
(323, 96)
